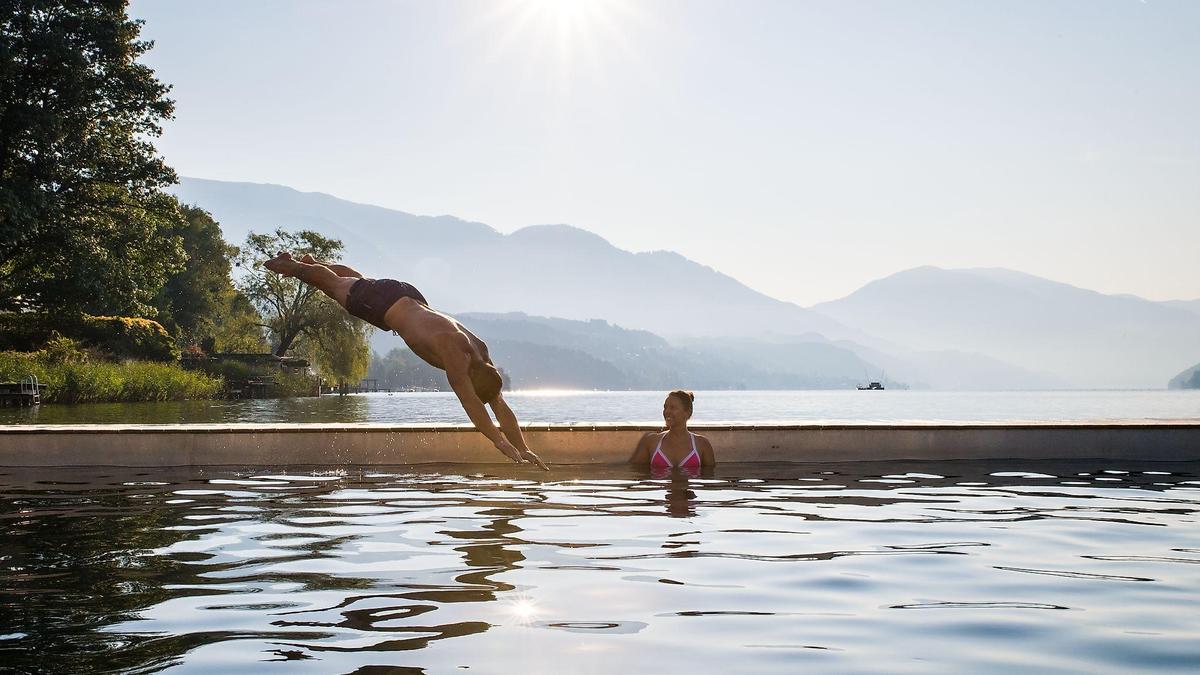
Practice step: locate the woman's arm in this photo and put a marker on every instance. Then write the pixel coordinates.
(707, 456)
(641, 454)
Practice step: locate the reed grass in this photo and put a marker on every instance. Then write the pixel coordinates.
(103, 382)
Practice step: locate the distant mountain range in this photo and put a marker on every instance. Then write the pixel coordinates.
(1085, 338)
(974, 329)
(546, 270)
(1188, 379)
(552, 352)
(1192, 306)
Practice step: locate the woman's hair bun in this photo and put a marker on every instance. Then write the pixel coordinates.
(687, 398)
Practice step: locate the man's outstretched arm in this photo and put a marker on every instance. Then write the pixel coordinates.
(512, 429)
(460, 382)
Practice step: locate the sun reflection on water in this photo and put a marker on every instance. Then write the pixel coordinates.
(522, 608)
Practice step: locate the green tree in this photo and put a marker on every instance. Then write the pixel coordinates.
(236, 326)
(340, 345)
(191, 299)
(291, 309)
(84, 224)
(401, 369)
(389, 369)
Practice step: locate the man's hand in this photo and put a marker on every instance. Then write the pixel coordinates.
(531, 456)
(520, 456)
(509, 451)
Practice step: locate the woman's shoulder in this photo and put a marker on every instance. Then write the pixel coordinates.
(702, 441)
(642, 452)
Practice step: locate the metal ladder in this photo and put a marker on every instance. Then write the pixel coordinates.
(30, 385)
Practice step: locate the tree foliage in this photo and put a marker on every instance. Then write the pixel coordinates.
(128, 338)
(191, 299)
(341, 346)
(199, 304)
(291, 309)
(84, 224)
(401, 369)
(236, 326)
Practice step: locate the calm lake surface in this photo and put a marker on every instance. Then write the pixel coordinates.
(871, 567)
(645, 407)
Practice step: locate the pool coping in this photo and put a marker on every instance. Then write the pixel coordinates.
(345, 444)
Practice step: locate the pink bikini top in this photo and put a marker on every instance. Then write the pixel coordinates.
(659, 460)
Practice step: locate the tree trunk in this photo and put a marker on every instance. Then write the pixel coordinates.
(285, 343)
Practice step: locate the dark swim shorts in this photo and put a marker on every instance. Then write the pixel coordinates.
(370, 299)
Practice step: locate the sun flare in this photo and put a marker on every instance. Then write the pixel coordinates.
(521, 608)
(567, 10)
(564, 32)
(524, 609)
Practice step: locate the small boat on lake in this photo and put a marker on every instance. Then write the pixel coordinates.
(874, 386)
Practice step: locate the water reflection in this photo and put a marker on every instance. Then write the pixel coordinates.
(772, 568)
(681, 500)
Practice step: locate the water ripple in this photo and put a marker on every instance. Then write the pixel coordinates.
(978, 605)
(752, 568)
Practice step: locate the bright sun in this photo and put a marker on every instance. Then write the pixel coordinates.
(564, 31)
(570, 15)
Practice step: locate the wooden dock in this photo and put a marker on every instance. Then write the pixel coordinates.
(27, 392)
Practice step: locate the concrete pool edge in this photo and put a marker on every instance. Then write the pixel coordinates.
(343, 444)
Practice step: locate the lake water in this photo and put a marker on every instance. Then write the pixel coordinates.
(912, 567)
(645, 407)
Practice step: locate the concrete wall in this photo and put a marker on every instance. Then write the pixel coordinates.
(365, 444)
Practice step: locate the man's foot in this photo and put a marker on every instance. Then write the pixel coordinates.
(282, 263)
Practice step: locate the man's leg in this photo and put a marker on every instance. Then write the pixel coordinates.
(338, 268)
(325, 279)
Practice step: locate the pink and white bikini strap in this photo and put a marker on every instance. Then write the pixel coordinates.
(694, 452)
(659, 453)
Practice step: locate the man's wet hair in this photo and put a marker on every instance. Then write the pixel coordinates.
(486, 380)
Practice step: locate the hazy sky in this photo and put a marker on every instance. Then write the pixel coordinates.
(804, 148)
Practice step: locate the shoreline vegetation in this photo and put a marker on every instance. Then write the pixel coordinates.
(109, 382)
(74, 374)
(81, 380)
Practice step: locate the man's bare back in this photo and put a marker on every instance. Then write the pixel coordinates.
(439, 339)
(428, 332)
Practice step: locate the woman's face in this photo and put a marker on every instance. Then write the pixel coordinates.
(674, 412)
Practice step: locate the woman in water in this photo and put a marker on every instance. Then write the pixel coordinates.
(675, 448)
